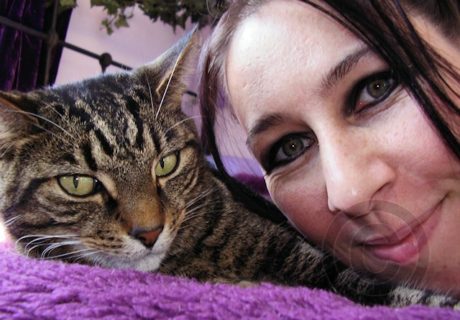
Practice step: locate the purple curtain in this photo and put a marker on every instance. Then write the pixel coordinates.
(20, 52)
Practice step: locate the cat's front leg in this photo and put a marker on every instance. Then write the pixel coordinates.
(404, 296)
(372, 291)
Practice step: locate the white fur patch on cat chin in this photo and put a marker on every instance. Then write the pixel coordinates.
(149, 263)
(139, 258)
(153, 260)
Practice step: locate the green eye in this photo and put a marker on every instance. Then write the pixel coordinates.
(167, 165)
(379, 87)
(293, 146)
(78, 185)
(372, 90)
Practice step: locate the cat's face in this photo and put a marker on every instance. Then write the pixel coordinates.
(101, 171)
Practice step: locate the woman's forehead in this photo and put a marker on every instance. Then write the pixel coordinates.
(285, 45)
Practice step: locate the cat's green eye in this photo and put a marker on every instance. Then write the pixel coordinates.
(78, 185)
(167, 165)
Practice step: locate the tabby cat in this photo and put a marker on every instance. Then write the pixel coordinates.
(109, 172)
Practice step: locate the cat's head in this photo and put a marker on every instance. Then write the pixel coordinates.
(104, 170)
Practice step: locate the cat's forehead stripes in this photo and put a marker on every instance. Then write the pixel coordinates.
(69, 158)
(88, 156)
(119, 125)
(132, 106)
(116, 119)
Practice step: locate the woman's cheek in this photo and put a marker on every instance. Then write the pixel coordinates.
(302, 204)
(282, 195)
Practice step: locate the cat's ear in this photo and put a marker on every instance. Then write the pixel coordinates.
(15, 119)
(169, 70)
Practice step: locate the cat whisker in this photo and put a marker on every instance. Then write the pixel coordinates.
(43, 243)
(38, 239)
(167, 87)
(91, 252)
(204, 205)
(179, 122)
(191, 209)
(46, 236)
(28, 243)
(6, 149)
(47, 120)
(194, 208)
(11, 221)
(197, 208)
(151, 97)
(52, 133)
(35, 247)
(97, 260)
(35, 244)
(198, 198)
(50, 246)
(94, 256)
(65, 255)
(192, 204)
(184, 224)
(191, 214)
(51, 107)
(54, 246)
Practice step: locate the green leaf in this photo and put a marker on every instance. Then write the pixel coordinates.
(68, 3)
(121, 21)
(174, 13)
(107, 26)
(111, 6)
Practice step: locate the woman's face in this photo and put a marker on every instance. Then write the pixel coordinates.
(349, 156)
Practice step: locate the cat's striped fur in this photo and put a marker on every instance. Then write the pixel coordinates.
(118, 128)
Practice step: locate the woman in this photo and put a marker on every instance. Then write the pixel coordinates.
(352, 110)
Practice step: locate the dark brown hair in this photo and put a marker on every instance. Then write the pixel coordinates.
(386, 28)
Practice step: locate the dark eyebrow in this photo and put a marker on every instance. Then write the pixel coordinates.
(263, 124)
(334, 75)
(343, 67)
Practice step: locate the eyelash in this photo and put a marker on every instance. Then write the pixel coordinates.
(361, 87)
(270, 161)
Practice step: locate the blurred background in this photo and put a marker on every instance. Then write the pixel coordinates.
(132, 46)
(46, 42)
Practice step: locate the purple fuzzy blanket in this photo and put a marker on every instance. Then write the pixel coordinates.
(31, 289)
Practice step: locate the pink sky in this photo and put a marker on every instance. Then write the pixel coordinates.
(140, 43)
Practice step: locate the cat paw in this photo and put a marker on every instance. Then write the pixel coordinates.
(404, 296)
(238, 282)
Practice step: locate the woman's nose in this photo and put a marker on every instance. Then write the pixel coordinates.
(355, 170)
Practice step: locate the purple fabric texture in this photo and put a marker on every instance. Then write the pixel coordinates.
(20, 53)
(32, 289)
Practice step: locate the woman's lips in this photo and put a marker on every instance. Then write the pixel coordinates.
(400, 252)
(402, 246)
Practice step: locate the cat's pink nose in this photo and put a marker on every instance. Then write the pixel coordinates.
(147, 237)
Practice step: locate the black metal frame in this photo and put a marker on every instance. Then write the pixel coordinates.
(52, 40)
